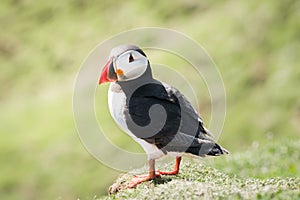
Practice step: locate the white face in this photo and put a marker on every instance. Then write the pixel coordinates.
(130, 65)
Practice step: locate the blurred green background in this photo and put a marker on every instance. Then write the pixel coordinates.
(255, 45)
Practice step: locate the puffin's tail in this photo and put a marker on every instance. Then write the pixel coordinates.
(207, 147)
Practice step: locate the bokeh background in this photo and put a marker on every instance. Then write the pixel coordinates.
(255, 45)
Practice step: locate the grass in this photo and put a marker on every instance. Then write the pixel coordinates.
(244, 176)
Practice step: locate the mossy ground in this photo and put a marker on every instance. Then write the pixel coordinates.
(201, 181)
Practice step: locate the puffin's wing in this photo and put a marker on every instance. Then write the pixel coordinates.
(182, 131)
(181, 116)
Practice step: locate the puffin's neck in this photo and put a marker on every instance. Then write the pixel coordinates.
(130, 86)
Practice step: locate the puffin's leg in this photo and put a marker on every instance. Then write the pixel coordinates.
(176, 168)
(144, 177)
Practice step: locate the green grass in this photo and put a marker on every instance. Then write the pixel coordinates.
(255, 45)
(264, 173)
(263, 160)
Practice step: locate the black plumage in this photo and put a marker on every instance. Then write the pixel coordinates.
(175, 125)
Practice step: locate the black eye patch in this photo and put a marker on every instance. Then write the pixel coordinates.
(131, 59)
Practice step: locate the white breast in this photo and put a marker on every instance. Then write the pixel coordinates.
(116, 103)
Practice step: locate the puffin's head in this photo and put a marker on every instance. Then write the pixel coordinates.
(126, 62)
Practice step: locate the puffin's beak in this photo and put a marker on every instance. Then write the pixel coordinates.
(108, 73)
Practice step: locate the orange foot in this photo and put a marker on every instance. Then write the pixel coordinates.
(137, 179)
(174, 172)
(176, 168)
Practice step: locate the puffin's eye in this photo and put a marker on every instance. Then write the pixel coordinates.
(131, 59)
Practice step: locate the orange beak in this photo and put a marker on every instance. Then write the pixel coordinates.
(108, 74)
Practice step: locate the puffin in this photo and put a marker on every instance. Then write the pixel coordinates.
(153, 113)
